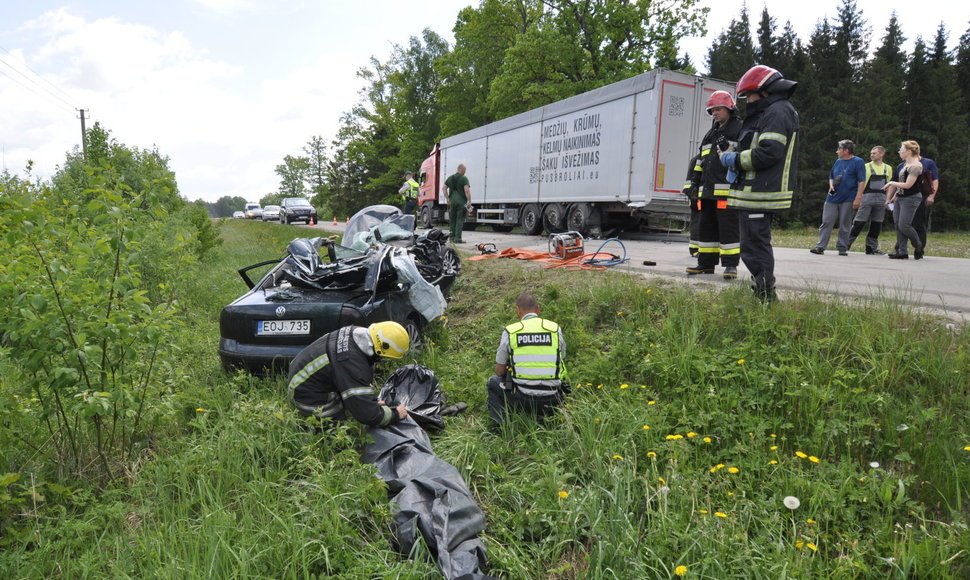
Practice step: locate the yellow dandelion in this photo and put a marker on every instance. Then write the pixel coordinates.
(680, 570)
(967, 448)
(651, 454)
(703, 511)
(720, 514)
(624, 386)
(799, 544)
(772, 462)
(620, 313)
(596, 420)
(773, 448)
(599, 386)
(662, 481)
(692, 434)
(645, 427)
(618, 457)
(651, 345)
(651, 402)
(733, 470)
(200, 410)
(772, 435)
(707, 440)
(740, 361)
(563, 494)
(810, 521)
(674, 437)
(730, 493)
(811, 546)
(649, 290)
(643, 386)
(800, 454)
(813, 459)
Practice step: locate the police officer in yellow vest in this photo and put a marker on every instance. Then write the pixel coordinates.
(410, 192)
(529, 370)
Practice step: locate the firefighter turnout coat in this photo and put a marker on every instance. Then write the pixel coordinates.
(768, 147)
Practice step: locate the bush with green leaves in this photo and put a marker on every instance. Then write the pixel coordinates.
(88, 338)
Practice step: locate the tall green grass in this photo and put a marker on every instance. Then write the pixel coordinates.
(693, 415)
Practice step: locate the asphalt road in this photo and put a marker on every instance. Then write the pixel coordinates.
(941, 284)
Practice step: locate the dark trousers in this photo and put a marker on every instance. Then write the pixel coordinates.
(409, 205)
(695, 227)
(920, 221)
(719, 237)
(500, 400)
(456, 214)
(756, 250)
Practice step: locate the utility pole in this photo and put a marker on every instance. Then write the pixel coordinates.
(84, 135)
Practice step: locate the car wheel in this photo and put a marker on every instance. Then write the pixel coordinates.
(283, 219)
(414, 326)
(451, 261)
(531, 220)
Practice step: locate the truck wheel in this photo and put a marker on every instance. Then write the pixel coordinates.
(531, 220)
(583, 218)
(426, 221)
(553, 218)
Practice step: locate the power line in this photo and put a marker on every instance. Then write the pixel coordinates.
(32, 81)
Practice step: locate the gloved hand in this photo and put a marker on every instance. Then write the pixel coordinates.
(729, 159)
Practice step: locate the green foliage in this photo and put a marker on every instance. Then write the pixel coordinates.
(734, 395)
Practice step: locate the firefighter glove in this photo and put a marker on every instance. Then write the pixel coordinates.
(729, 159)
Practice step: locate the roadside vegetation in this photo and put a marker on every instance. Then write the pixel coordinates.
(695, 418)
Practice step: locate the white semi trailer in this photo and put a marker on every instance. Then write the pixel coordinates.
(614, 158)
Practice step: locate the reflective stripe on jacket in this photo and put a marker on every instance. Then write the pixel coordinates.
(413, 188)
(768, 156)
(534, 363)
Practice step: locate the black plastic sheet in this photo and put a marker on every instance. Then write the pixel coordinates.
(417, 388)
(432, 499)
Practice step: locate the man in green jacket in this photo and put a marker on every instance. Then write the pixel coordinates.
(459, 194)
(529, 370)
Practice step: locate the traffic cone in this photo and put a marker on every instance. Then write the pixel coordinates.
(313, 220)
(334, 220)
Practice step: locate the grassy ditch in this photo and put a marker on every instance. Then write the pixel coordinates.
(694, 414)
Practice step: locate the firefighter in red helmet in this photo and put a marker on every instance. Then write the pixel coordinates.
(765, 162)
(717, 233)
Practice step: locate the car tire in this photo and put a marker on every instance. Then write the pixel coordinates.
(415, 326)
(284, 220)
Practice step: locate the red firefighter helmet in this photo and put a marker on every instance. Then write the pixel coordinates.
(720, 99)
(757, 79)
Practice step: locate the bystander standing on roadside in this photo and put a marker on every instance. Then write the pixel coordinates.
(847, 179)
(871, 203)
(904, 196)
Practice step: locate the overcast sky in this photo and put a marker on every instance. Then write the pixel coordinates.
(226, 88)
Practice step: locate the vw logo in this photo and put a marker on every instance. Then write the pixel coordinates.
(280, 312)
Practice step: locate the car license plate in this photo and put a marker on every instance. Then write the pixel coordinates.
(277, 327)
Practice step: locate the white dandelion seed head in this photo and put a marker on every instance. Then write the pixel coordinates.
(902, 427)
(874, 464)
(791, 502)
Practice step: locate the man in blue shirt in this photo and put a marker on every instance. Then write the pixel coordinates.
(846, 181)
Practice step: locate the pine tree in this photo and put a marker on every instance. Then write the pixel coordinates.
(878, 118)
(733, 52)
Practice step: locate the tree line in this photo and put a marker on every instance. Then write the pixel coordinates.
(510, 56)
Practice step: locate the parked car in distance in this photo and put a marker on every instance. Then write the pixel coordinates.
(297, 209)
(239, 215)
(271, 212)
(318, 286)
(253, 211)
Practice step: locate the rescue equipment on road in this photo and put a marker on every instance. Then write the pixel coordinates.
(566, 245)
